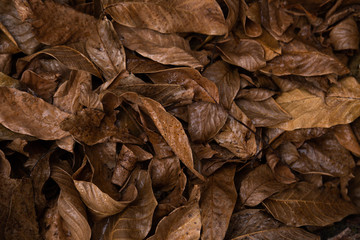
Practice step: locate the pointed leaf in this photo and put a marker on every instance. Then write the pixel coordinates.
(38, 118)
(305, 204)
(217, 202)
(201, 16)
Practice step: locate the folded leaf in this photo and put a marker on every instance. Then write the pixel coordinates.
(135, 221)
(341, 106)
(305, 204)
(201, 16)
(100, 204)
(345, 35)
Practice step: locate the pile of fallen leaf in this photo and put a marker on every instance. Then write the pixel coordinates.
(179, 119)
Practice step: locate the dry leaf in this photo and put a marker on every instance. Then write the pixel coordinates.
(217, 203)
(201, 16)
(106, 50)
(258, 185)
(163, 48)
(305, 204)
(205, 120)
(256, 224)
(345, 35)
(341, 106)
(135, 221)
(38, 118)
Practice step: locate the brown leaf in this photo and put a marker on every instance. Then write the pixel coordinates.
(282, 172)
(7, 81)
(169, 16)
(100, 204)
(233, 13)
(138, 64)
(226, 79)
(341, 106)
(90, 126)
(165, 173)
(126, 162)
(305, 204)
(236, 137)
(105, 49)
(68, 56)
(264, 113)
(258, 185)
(324, 155)
(345, 35)
(205, 120)
(217, 203)
(255, 94)
(182, 223)
(55, 23)
(251, 19)
(67, 95)
(304, 60)
(71, 208)
(52, 224)
(7, 42)
(354, 188)
(169, 127)
(135, 221)
(21, 31)
(346, 137)
(163, 48)
(204, 89)
(38, 118)
(44, 86)
(245, 53)
(256, 224)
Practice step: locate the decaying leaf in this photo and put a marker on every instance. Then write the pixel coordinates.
(345, 35)
(305, 204)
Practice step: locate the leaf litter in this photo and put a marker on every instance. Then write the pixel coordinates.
(227, 119)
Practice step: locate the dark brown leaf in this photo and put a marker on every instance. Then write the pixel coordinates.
(205, 120)
(345, 35)
(305, 204)
(217, 203)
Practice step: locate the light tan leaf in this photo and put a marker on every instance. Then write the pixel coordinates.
(105, 49)
(68, 56)
(217, 203)
(256, 224)
(100, 204)
(184, 223)
(71, 208)
(38, 118)
(264, 113)
(245, 53)
(300, 59)
(21, 31)
(226, 79)
(341, 106)
(258, 185)
(201, 16)
(345, 35)
(205, 120)
(305, 204)
(135, 221)
(163, 48)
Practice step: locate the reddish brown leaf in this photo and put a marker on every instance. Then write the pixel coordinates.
(345, 35)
